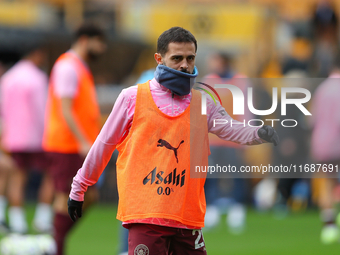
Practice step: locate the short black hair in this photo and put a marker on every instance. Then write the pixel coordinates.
(226, 57)
(36, 44)
(90, 30)
(174, 34)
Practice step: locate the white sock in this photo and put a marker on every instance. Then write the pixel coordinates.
(212, 216)
(43, 217)
(236, 218)
(3, 205)
(327, 215)
(17, 219)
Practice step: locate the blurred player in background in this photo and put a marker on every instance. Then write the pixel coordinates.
(23, 100)
(325, 147)
(149, 127)
(225, 152)
(72, 119)
(325, 23)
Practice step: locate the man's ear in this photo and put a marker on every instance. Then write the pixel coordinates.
(158, 58)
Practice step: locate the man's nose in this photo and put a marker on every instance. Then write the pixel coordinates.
(184, 64)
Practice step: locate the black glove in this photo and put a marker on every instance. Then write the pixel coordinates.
(75, 209)
(269, 134)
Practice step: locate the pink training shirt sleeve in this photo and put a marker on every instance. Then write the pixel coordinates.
(100, 153)
(64, 77)
(229, 129)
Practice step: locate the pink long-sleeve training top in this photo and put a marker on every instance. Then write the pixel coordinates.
(23, 99)
(120, 120)
(325, 142)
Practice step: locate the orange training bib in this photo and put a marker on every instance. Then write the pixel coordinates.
(153, 167)
(57, 135)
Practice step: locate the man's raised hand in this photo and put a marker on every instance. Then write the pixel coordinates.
(269, 134)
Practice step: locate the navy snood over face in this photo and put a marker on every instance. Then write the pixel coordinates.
(178, 82)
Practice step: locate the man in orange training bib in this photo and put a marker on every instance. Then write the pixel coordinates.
(150, 126)
(72, 120)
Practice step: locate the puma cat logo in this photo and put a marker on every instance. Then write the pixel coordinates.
(163, 143)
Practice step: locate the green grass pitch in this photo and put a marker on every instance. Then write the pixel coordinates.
(97, 233)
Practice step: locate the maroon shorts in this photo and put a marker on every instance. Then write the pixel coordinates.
(148, 239)
(63, 167)
(31, 160)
